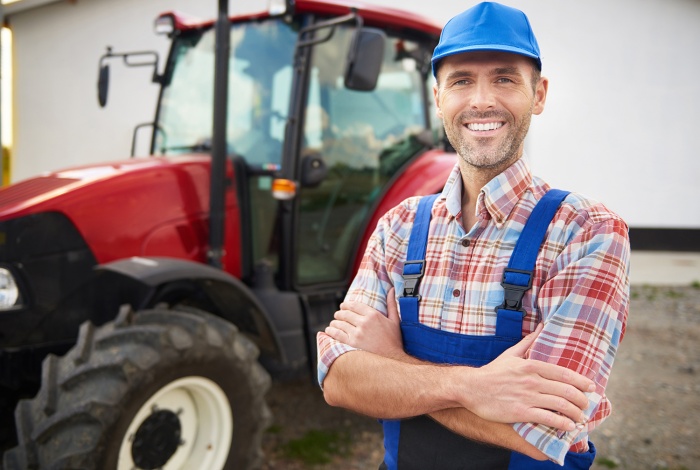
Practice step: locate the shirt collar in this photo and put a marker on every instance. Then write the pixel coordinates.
(501, 194)
(497, 198)
(452, 192)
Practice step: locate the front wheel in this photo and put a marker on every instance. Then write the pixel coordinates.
(159, 389)
(188, 420)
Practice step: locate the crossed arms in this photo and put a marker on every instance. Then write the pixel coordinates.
(382, 381)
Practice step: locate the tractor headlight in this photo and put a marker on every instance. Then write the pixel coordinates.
(164, 24)
(9, 292)
(280, 7)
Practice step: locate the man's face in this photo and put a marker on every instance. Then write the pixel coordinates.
(486, 101)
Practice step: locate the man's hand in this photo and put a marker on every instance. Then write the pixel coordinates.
(363, 327)
(532, 391)
(507, 390)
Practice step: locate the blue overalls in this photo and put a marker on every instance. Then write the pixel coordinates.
(420, 443)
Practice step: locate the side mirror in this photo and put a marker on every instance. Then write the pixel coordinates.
(103, 85)
(365, 59)
(313, 171)
(131, 59)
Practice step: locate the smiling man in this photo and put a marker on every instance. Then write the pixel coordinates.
(513, 297)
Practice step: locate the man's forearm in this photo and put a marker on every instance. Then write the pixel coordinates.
(387, 388)
(507, 390)
(465, 423)
(410, 387)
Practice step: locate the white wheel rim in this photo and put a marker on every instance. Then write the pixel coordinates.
(206, 422)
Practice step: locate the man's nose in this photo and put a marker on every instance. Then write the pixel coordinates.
(482, 96)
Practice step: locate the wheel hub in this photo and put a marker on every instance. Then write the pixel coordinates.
(186, 424)
(156, 440)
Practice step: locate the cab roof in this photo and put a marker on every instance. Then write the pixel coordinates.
(373, 15)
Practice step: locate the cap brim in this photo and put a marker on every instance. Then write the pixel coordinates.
(487, 47)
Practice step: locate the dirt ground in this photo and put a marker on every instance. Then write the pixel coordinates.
(654, 389)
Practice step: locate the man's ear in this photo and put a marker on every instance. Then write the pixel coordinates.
(540, 95)
(436, 97)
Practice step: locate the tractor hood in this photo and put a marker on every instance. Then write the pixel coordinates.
(149, 206)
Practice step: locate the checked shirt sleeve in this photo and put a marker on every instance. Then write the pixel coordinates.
(584, 305)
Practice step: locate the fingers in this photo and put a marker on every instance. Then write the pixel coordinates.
(520, 349)
(348, 316)
(559, 407)
(563, 385)
(363, 327)
(556, 373)
(392, 310)
(343, 332)
(552, 419)
(360, 309)
(336, 334)
(532, 391)
(357, 307)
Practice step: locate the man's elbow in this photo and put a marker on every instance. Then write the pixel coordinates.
(331, 389)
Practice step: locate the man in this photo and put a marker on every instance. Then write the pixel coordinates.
(487, 68)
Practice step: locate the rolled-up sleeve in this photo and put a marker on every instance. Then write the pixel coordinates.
(328, 351)
(584, 306)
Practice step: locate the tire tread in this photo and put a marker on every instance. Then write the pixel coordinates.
(84, 391)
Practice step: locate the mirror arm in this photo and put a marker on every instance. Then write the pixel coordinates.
(350, 17)
(353, 46)
(127, 58)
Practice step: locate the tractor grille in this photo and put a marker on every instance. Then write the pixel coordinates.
(50, 260)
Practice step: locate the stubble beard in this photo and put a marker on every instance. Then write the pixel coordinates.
(476, 153)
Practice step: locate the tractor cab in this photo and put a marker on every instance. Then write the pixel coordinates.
(298, 133)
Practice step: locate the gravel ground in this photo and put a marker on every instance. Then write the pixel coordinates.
(654, 389)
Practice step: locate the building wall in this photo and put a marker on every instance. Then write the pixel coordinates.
(619, 123)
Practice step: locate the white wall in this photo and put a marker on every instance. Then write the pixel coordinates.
(58, 122)
(619, 125)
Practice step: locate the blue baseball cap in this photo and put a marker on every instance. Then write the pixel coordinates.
(488, 26)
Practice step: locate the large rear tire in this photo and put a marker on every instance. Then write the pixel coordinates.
(159, 389)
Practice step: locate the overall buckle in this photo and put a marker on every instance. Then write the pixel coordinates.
(514, 293)
(412, 278)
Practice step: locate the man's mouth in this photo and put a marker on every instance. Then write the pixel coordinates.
(484, 126)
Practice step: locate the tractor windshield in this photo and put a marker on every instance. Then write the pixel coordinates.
(363, 138)
(259, 85)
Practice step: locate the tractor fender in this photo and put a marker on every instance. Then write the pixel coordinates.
(191, 284)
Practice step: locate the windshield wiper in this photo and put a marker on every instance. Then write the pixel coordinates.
(202, 146)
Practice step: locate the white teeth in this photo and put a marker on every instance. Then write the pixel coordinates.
(485, 126)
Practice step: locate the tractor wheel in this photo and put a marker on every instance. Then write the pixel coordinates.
(158, 389)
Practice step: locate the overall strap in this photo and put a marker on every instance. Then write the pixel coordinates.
(517, 277)
(414, 267)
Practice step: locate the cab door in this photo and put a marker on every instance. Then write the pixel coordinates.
(363, 138)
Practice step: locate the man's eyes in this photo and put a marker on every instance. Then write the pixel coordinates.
(465, 81)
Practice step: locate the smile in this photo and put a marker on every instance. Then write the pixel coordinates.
(484, 126)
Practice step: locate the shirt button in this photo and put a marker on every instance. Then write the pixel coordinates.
(465, 242)
(455, 293)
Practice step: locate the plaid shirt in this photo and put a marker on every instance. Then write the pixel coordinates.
(580, 287)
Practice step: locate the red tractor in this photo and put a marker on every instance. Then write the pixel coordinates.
(145, 303)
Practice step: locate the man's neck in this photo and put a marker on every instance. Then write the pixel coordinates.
(473, 180)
